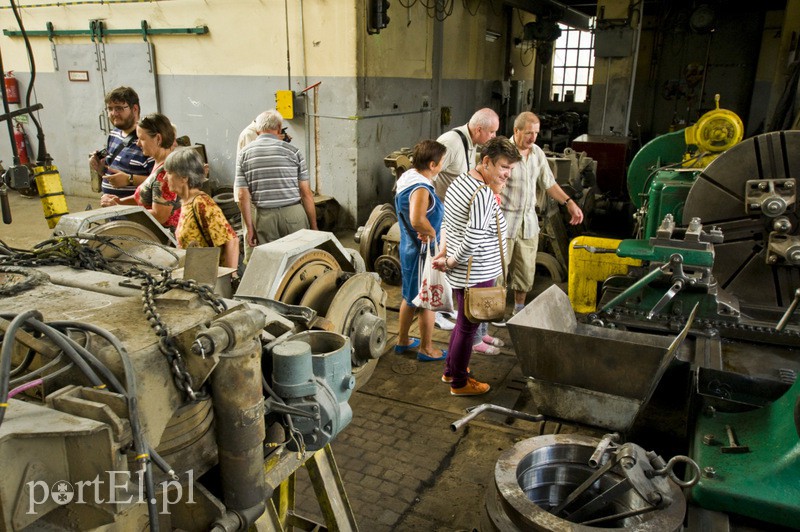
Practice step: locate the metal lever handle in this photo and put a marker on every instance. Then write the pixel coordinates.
(592, 249)
(635, 287)
(789, 311)
(676, 287)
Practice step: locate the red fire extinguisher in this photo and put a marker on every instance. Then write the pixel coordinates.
(22, 145)
(12, 87)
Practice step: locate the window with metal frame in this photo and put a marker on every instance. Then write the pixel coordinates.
(573, 65)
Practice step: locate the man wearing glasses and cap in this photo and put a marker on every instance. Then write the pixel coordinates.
(121, 164)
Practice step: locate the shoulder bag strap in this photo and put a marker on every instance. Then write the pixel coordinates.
(466, 146)
(499, 236)
(200, 226)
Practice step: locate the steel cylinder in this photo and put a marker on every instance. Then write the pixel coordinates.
(239, 418)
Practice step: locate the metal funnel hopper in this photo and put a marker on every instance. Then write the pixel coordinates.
(585, 373)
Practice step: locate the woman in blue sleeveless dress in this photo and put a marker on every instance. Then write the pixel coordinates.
(419, 213)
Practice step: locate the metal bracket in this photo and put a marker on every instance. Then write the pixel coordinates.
(50, 37)
(105, 32)
(149, 47)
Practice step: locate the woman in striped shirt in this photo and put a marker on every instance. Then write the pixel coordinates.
(471, 226)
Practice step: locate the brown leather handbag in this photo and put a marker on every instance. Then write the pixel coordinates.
(487, 303)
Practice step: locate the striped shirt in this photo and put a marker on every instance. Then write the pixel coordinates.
(129, 160)
(471, 231)
(455, 162)
(529, 176)
(271, 169)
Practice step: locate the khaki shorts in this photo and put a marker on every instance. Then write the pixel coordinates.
(521, 262)
(272, 224)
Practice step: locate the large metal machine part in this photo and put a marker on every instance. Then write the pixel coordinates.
(751, 460)
(315, 364)
(379, 244)
(580, 483)
(662, 173)
(311, 269)
(606, 386)
(750, 194)
(74, 442)
(140, 224)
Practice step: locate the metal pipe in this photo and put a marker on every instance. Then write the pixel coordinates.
(605, 95)
(288, 58)
(486, 407)
(635, 287)
(600, 450)
(633, 71)
(239, 414)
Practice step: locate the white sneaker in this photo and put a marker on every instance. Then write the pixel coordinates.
(453, 315)
(440, 322)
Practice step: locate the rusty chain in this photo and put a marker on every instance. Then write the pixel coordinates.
(152, 287)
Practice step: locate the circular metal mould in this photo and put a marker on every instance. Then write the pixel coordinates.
(538, 474)
(718, 197)
(321, 292)
(370, 235)
(389, 270)
(358, 310)
(306, 269)
(130, 231)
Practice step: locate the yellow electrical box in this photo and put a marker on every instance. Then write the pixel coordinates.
(587, 269)
(284, 103)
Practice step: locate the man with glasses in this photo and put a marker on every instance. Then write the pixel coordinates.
(121, 163)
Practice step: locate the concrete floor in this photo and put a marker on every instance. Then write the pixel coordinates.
(403, 468)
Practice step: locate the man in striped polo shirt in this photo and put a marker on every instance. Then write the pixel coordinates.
(272, 185)
(121, 163)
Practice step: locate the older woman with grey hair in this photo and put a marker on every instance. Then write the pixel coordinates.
(202, 223)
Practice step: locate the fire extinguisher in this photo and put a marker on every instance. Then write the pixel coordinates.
(12, 87)
(22, 145)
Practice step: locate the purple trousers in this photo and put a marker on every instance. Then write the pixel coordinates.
(460, 349)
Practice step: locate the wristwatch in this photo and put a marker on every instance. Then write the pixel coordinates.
(566, 201)
(130, 180)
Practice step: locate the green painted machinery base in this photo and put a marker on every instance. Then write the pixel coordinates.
(763, 483)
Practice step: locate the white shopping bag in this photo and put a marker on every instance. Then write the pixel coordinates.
(435, 292)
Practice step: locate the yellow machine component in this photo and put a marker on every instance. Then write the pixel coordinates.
(715, 132)
(586, 269)
(51, 192)
(284, 104)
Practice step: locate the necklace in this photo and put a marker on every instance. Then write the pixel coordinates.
(480, 174)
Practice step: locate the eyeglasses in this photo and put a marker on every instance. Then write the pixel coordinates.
(117, 108)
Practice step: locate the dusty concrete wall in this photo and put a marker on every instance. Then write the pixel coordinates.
(399, 96)
(211, 86)
(378, 92)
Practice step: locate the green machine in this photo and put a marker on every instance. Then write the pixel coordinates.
(664, 170)
(751, 461)
(742, 274)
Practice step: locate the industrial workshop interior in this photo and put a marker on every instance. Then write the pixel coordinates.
(630, 352)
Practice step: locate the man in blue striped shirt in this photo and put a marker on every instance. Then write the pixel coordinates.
(122, 163)
(272, 185)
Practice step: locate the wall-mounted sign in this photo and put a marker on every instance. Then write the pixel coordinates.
(78, 75)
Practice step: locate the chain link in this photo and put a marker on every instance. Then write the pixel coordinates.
(151, 288)
(721, 326)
